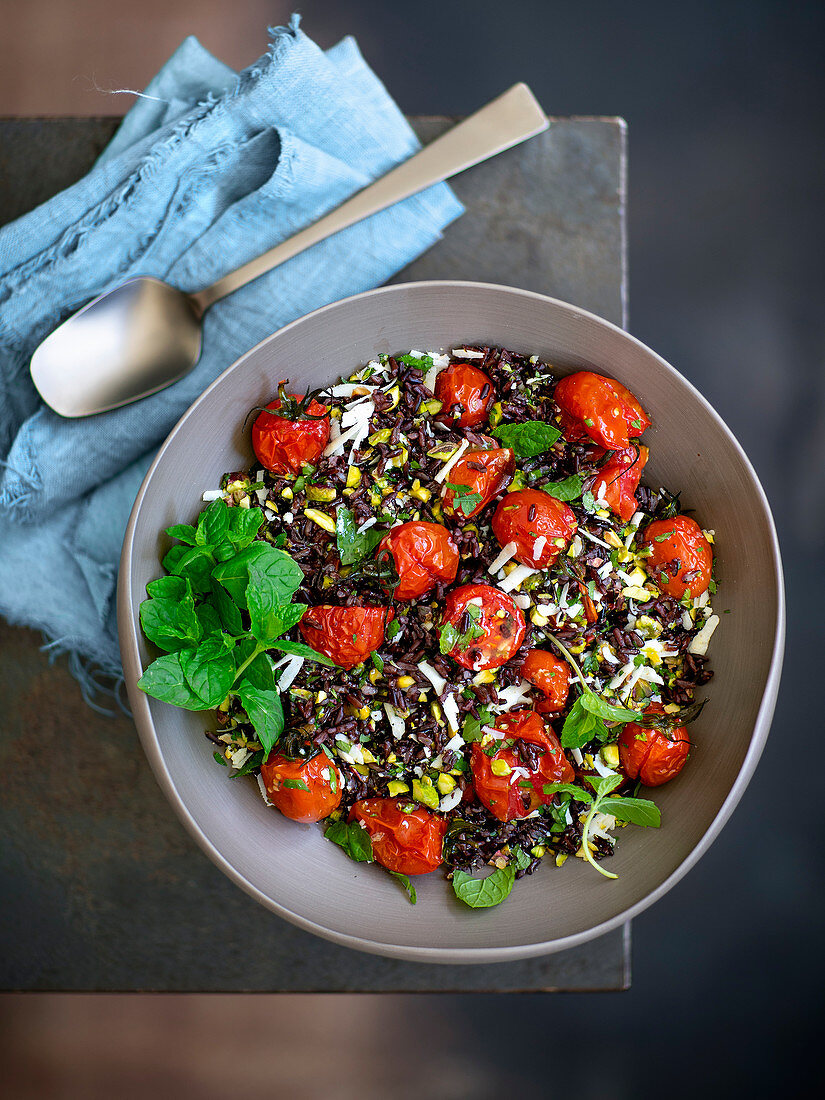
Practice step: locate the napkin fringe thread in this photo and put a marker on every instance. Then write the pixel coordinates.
(94, 678)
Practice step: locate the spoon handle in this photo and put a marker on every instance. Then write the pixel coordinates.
(506, 121)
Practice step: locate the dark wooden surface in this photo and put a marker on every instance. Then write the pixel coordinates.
(102, 887)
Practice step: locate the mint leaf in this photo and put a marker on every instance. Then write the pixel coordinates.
(294, 785)
(408, 886)
(164, 680)
(227, 609)
(638, 811)
(169, 588)
(604, 784)
(195, 563)
(420, 362)
(269, 616)
(209, 670)
(464, 497)
(527, 440)
(581, 727)
(521, 859)
(265, 713)
(354, 839)
(269, 623)
(569, 489)
(352, 547)
(481, 893)
(171, 623)
(260, 672)
(183, 531)
(448, 638)
(244, 525)
(209, 619)
(579, 793)
(594, 704)
(471, 729)
(298, 649)
(213, 524)
(284, 574)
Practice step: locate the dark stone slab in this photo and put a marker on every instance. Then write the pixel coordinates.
(103, 888)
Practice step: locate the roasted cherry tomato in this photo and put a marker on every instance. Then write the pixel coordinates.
(345, 634)
(520, 790)
(533, 519)
(479, 473)
(467, 391)
(550, 675)
(600, 408)
(409, 842)
(424, 553)
(653, 756)
(618, 480)
(294, 435)
(490, 626)
(304, 790)
(681, 558)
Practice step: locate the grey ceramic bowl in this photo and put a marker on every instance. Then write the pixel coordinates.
(290, 868)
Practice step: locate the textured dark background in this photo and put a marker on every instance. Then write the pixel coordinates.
(725, 107)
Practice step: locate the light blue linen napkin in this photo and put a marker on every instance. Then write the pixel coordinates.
(206, 172)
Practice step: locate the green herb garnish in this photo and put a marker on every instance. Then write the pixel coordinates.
(464, 497)
(569, 489)
(352, 546)
(585, 721)
(638, 811)
(354, 839)
(481, 893)
(527, 440)
(196, 615)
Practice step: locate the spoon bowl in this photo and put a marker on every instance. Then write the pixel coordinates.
(128, 343)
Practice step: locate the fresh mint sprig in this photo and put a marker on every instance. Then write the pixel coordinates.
(585, 720)
(196, 615)
(638, 811)
(464, 498)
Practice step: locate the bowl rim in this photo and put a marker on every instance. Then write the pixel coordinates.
(128, 630)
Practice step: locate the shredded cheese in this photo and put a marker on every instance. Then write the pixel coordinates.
(514, 579)
(500, 560)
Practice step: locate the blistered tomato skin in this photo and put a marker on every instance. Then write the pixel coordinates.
(507, 800)
(601, 408)
(650, 755)
(465, 390)
(409, 842)
(529, 514)
(681, 559)
(347, 635)
(424, 555)
(618, 481)
(485, 473)
(551, 676)
(318, 774)
(498, 626)
(284, 446)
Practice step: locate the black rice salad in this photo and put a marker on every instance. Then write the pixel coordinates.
(441, 614)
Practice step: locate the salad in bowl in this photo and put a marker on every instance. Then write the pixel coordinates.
(443, 615)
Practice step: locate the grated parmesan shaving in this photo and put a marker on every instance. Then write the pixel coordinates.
(398, 726)
(514, 579)
(441, 476)
(507, 551)
(435, 678)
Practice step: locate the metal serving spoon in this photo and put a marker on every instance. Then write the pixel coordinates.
(145, 334)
